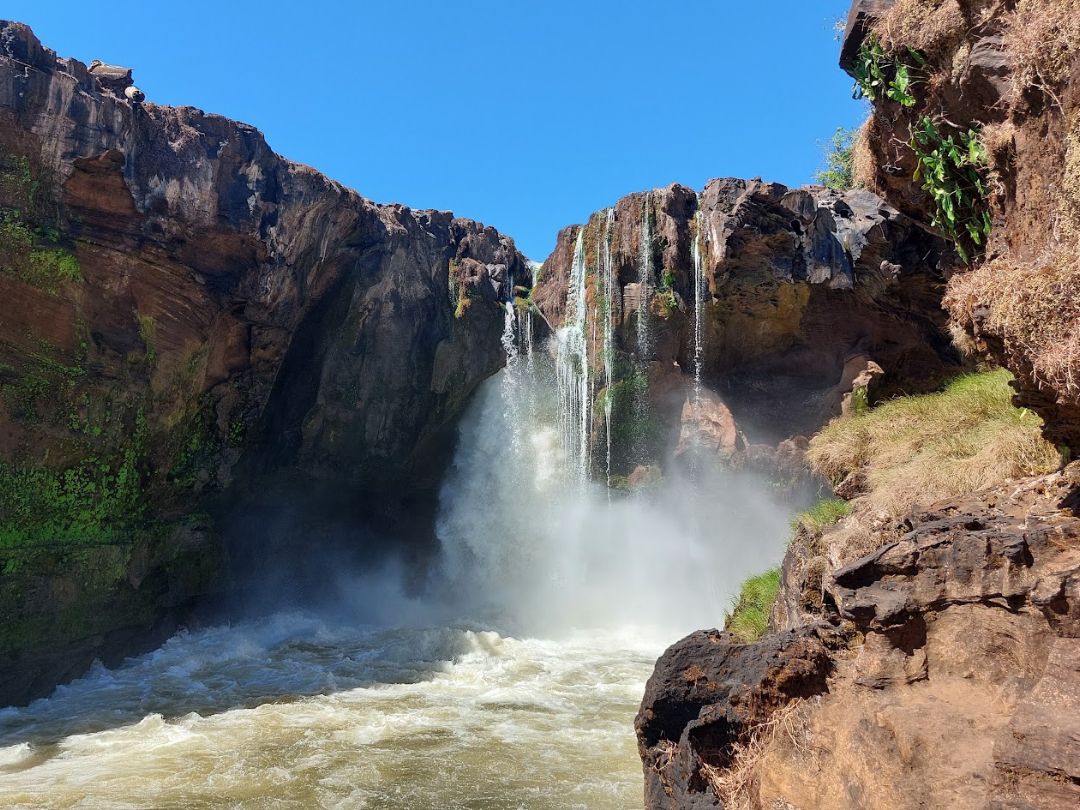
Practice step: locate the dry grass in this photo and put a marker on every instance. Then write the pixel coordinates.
(1069, 202)
(736, 785)
(1042, 37)
(936, 27)
(924, 448)
(863, 163)
(1032, 308)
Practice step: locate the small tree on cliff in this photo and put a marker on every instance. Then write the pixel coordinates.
(838, 173)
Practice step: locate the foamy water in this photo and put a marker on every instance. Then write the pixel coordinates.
(290, 712)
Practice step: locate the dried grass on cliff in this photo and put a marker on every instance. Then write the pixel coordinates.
(1042, 37)
(921, 449)
(1031, 308)
(736, 784)
(936, 28)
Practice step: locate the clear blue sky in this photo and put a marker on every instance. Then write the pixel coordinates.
(525, 115)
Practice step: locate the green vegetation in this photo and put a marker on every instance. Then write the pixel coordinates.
(951, 169)
(822, 515)
(40, 389)
(919, 449)
(29, 255)
(148, 335)
(880, 76)
(749, 617)
(93, 501)
(29, 241)
(839, 170)
(669, 301)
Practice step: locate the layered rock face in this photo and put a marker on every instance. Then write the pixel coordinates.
(941, 671)
(740, 316)
(184, 312)
(1009, 74)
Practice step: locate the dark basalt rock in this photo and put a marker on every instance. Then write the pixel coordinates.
(286, 341)
(707, 693)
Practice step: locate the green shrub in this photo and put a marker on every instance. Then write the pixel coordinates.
(952, 169)
(880, 76)
(749, 617)
(839, 170)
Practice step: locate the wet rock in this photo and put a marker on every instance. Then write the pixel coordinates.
(707, 427)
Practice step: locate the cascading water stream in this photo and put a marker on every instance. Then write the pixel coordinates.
(607, 273)
(572, 366)
(645, 273)
(698, 254)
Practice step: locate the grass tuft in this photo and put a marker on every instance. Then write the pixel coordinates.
(749, 617)
(1031, 308)
(1041, 37)
(822, 515)
(934, 27)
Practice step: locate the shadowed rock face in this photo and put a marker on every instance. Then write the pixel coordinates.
(960, 688)
(261, 328)
(796, 286)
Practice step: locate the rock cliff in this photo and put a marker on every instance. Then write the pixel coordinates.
(774, 302)
(941, 669)
(1001, 79)
(184, 312)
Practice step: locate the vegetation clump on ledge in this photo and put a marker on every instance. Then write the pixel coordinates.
(749, 617)
(822, 515)
(919, 449)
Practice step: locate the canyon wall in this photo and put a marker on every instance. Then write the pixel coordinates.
(186, 314)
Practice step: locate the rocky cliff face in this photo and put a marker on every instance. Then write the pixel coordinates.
(186, 312)
(1004, 76)
(777, 301)
(940, 671)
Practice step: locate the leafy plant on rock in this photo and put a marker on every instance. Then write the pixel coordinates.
(951, 169)
(883, 76)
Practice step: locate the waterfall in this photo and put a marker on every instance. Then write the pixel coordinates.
(572, 367)
(644, 281)
(699, 294)
(607, 276)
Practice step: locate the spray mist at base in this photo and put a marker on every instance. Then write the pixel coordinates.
(532, 548)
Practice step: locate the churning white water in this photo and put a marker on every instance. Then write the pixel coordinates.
(512, 682)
